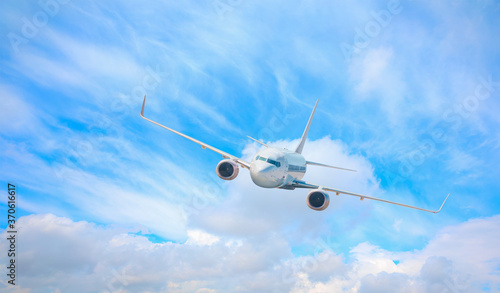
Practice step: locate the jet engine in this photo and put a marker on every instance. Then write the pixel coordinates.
(227, 169)
(318, 200)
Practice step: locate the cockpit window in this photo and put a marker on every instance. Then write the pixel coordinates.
(277, 164)
(273, 162)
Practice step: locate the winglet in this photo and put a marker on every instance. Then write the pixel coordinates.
(142, 110)
(306, 131)
(442, 205)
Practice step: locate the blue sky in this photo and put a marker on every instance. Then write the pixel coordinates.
(408, 96)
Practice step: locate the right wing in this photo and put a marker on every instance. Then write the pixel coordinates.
(225, 155)
(303, 184)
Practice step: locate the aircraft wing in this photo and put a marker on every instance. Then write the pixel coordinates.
(303, 184)
(225, 155)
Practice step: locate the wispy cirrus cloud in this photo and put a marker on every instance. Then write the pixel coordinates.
(72, 138)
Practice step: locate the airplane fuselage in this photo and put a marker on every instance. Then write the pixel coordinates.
(273, 167)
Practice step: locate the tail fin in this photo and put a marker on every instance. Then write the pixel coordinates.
(306, 131)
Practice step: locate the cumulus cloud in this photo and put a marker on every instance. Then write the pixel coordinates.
(237, 236)
(57, 253)
(254, 240)
(198, 237)
(60, 254)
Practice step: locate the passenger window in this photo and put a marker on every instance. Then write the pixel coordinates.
(262, 159)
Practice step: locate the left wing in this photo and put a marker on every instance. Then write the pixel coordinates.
(328, 166)
(258, 141)
(303, 184)
(225, 155)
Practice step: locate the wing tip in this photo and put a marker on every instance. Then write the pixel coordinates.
(143, 104)
(442, 205)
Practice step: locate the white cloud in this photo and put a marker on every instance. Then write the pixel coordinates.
(376, 75)
(370, 71)
(247, 231)
(461, 161)
(60, 254)
(72, 65)
(460, 258)
(96, 60)
(198, 237)
(16, 115)
(138, 193)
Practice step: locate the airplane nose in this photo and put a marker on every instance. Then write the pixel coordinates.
(264, 169)
(263, 180)
(261, 175)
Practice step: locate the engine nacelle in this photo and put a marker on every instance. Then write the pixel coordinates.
(227, 169)
(318, 200)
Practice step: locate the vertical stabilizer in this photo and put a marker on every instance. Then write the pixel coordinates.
(306, 131)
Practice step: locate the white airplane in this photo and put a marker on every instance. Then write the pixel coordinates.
(281, 168)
